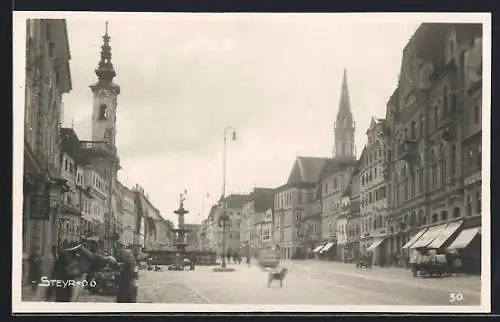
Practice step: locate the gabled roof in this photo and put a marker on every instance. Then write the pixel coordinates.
(263, 199)
(212, 212)
(429, 39)
(236, 201)
(306, 170)
(333, 165)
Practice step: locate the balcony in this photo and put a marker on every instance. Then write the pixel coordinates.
(67, 207)
(100, 148)
(407, 151)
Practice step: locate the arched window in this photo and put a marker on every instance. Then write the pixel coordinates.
(343, 147)
(413, 220)
(453, 159)
(412, 130)
(456, 212)
(445, 102)
(421, 127)
(436, 117)
(103, 112)
(421, 218)
(444, 174)
(434, 218)
(444, 215)
(380, 222)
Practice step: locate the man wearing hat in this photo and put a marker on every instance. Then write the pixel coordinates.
(127, 290)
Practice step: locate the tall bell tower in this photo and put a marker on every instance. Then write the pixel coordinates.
(344, 126)
(102, 149)
(105, 97)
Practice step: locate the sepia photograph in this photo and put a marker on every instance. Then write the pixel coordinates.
(237, 162)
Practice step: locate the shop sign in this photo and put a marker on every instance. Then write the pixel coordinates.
(40, 209)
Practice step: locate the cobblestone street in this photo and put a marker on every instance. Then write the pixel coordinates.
(308, 283)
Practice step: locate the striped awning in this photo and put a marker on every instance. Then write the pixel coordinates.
(429, 236)
(327, 247)
(445, 234)
(375, 244)
(414, 238)
(317, 249)
(464, 238)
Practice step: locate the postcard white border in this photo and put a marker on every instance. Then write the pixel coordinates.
(19, 32)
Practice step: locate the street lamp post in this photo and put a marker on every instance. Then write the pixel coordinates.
(233, 137)
(224, 217)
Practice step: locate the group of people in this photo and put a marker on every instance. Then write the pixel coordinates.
(78, 261)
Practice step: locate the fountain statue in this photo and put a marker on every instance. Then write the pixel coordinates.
(180, 239)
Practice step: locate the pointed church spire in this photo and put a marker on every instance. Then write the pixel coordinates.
(105, 71)
(344, 126)
(345, 104)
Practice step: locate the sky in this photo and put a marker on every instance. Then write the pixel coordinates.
(275, 78)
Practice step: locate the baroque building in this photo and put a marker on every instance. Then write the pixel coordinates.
(102, 150)
(426, 116)
(290, 204)
(48, 78)
(373, 190)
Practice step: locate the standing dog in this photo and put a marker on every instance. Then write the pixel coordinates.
(279, 276)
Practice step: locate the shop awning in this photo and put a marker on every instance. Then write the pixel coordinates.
(317, 249)
(428, 236)
(445, 234)
(375, 244)
(414, 238)
(464, 238)
(326, 248)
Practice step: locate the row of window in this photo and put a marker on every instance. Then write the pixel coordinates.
(412, 133)
(333, 185)
(370, 175)
(372, 157)
(374, 196)
(98, 182)
(284, 199)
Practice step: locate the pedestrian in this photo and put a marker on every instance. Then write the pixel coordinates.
(34, 270)
(127, 289)
(62, 272)
(192, 263)
(51, 289)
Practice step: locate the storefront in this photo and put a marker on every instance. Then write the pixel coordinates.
(462, 236)
(376, 251)
(325, 251)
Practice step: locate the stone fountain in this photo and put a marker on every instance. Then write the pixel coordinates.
(180, 240)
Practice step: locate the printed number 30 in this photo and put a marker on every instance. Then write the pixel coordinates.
(456, 297)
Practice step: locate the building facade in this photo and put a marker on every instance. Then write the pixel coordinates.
(253, 219)
(69, 216)
(427, 115)
(290, 204)
(129, 217)
(192, 236)
(152, 229)
(373, 190)
(335, 178)
(232, 205)
(48, 77)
